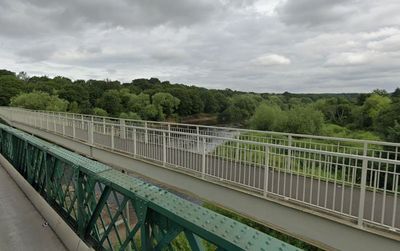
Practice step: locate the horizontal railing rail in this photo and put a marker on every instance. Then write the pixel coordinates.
(204, 128)
(361, 185)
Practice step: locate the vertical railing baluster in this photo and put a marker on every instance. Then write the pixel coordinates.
(90, 133)
(289, 153)
(266, 170)
(104, 125)
(146, 139)
(112, 137)
(198, 138)
(164, 149)
(203, 159)
(361, 204)
(122, 127)
(134, 142)
(73, 129)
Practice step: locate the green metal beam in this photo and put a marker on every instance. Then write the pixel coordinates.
(94, 199)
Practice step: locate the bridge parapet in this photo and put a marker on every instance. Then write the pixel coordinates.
(113, 211)
(354, 179)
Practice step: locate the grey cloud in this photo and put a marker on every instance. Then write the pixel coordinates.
(36, 54)
(314, 12)
(332, 45)
(128, 13)
(35, 18)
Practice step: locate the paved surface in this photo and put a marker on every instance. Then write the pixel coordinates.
(21, 225)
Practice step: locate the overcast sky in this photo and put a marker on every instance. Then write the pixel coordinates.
(262, 46)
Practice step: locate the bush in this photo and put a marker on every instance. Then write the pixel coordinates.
(40, 101)
(99, 112)
(305, 120)
(269, 117)
(297, 120)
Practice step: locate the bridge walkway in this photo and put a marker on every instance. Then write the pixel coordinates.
(21, 225)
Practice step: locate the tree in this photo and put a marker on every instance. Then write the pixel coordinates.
(371, 108)
(380, 92)
(396, 94)
(335, 110)
(150, 112)
(73, 107)
(240, 109)
(73, 92)
(138, 102)
(111, 102)
(269, 117)
(39, 101)
(4, 72)
(10, 86)
(231, 114)
(304, 120)
(190, 101)
(393, 132)
(23, 76)
(387, 122)
(165, 102)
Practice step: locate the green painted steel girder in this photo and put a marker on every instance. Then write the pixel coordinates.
(113, 211)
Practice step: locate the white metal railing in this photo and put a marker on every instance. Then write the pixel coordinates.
(354, 178)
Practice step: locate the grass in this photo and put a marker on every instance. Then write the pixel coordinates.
(326, 167)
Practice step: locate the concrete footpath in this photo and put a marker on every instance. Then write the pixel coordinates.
(21, 225)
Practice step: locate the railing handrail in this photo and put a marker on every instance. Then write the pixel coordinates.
(350, 140)
(264, 144)
(285, 147)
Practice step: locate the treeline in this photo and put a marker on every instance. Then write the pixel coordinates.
(373, 115)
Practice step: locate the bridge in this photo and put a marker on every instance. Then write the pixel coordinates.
(338, 194)
(91, 205)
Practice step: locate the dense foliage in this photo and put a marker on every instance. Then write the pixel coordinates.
(373, 115)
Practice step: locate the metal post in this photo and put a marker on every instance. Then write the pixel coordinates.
(90, 133)
(289, 153)
(146, 139)
(164, 149)
(47, 121)
(104, 125)
(203, 161)
(198, 138)
(169, 134)
(266, 170)
(363, 185)
(237, 151)
(73, 117)
(73, 129)
(83, 123)
(134, 141)
(63, 127)
(54, 122)
(112, 137)
(122, 126)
